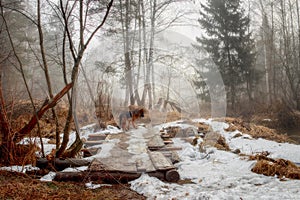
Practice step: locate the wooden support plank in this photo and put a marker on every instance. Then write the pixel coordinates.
(166, 135)
(168, 142)
(113, 164)
(160, 162)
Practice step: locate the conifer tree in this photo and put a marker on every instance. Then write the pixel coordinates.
(228, 41)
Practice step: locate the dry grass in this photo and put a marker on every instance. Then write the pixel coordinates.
(23, 112)
(280, 167)
(203, 128)
(173, 116)
(256, 131)
(21, 186)
(20, 155)
(215, 139)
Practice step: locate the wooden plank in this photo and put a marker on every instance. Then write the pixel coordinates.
(121, 165)
(144, 164)
(169, 149)
(106, 164)
(156, 142)
(168, 142)
(92, 143)
(118, 160)
(160, 162)
(93, 137)
(165, 136)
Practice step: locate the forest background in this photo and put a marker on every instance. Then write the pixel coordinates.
(61, 61)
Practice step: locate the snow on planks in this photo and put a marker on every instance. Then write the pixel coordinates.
(122, 160)
(127, 159)
(160, 162)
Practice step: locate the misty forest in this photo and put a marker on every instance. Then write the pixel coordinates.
(70, 68)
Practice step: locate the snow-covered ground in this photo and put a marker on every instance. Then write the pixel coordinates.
(223, 175)
(215, 174)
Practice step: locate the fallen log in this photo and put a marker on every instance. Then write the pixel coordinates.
(61, 164)
(113, 177)
(103, 176)
(172, 176)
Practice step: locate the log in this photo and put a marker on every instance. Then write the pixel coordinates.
(104, 176)
(42, 163)
(61, 164)
(113, 177)
(172, 176)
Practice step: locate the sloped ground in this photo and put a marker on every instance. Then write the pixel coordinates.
(20, 186)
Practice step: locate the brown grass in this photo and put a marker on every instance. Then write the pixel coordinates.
(280, 167)
(23, 111)
(203, 128)
(173, 116)
(21, 186)
(215, 139)
(256, 131)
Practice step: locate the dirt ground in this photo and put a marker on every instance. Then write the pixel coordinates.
(20, 186)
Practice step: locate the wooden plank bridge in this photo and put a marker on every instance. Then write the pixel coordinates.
(125, 156)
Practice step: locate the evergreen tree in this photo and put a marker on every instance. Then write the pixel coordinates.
(228, 41)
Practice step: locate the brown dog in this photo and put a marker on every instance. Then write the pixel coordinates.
(125, 118)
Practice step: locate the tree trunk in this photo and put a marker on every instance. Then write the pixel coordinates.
(149, 66)
(46, 72)
(5, 130)
(33, 121)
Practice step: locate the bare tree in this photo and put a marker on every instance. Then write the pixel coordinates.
(77, 55)
(68, 12)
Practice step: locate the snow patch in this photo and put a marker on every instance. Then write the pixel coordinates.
(48, 177)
